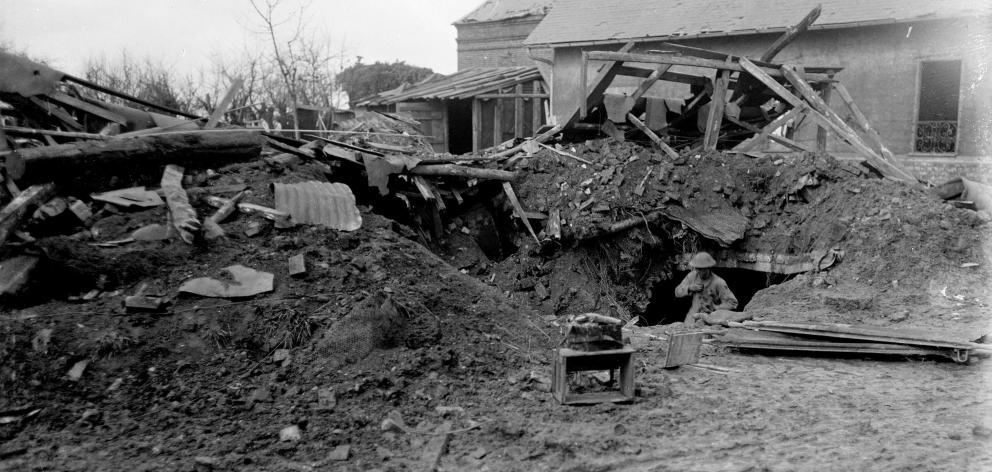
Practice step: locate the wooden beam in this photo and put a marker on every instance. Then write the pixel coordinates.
(795, 145)
(777, 123)
(652, 136)
(633, 71)
(497, 121)
(518, 113)
(594, 93)
(67, 162)
(73, 102)
(791, 34)
(61, 115)
(519, 210)
(12, 213)
(682, 61)
(487, 96)
(17, 130)
(821, 132)
(225, 103)
(772, 84)
(453, 170)
(650, 81)
(115, 93)
(718, 100)
(476, 124)
(861, 119)
(536, 114)
(826, 116)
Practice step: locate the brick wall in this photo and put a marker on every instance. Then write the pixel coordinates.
(497, 43)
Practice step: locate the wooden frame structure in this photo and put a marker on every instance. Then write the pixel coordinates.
(804, 92)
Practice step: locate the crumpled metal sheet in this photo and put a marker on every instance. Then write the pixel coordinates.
(321, 203)
(26, 77)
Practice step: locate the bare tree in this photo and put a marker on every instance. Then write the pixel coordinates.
(303, 62)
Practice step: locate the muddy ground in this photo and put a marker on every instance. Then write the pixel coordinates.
(384, 345)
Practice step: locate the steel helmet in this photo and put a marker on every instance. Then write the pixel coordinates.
(702, 260)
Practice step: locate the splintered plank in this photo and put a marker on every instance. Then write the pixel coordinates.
(225, 103)
(11, 214)
(718, 101)
(512, 196)
(654, 137)
(861, 119)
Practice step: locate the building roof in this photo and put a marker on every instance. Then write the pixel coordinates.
(463, 84)
(495, 10)
(598, 21)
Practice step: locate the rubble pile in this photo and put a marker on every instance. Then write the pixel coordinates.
(896, 241)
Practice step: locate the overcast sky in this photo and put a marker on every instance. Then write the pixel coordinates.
(185, 33)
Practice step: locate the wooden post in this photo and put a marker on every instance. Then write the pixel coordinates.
(497, 121)
(536, 109)
(718, 100)
(518, 113)
(476, 124)
(584, 83)
(821, 133)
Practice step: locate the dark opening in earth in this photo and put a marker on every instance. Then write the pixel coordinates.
(665, 308)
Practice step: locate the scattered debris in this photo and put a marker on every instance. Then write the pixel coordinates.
(130, 197)
(297, 266)
(182, 216)
(331, 205)
(76, 372)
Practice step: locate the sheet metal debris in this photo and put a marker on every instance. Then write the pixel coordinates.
(240, 281)
(130, 197)
(321, 203)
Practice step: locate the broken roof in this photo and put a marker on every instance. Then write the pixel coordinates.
(495, 10)
(592, 21)
(463, 84)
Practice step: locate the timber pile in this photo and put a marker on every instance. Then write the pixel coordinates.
(70, 144)
(849, 339)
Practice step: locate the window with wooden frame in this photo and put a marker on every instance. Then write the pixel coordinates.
(937, 107)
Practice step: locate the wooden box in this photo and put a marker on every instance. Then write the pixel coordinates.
(569, 360)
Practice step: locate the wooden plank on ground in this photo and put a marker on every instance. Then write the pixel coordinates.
(915, 337)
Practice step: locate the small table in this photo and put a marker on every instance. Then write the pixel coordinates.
(570, 360)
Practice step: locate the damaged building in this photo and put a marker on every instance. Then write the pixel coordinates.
(495, 269)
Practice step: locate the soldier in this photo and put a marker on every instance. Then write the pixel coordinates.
(709, 291)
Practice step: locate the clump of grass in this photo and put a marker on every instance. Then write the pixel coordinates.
(111, 342)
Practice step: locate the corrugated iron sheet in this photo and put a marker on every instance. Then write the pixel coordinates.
(463, 84)
(495, 10)
(581, 21)
(320, 203)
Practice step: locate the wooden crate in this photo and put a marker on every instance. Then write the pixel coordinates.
(570, 360)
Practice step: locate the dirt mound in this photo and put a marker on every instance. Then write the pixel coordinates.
(902, 244)
(378, 323)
